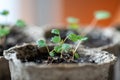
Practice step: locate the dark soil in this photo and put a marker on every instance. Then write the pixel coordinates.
(63, 33)
(16, 37)
(96, 40)
(38, 55)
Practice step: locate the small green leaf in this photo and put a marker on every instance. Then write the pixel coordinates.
(41, 43)
(77, 56)
(4, 31)
(73, 37)
(20, 23)
(52, 54)
(81, 38)
(84, 38)
(56, 39)
(72, 20)
(66, 47)
(4, 12)
(99, 15)
(58, 48)
(55, 31)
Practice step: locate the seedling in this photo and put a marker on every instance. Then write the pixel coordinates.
(5, 13)
(73, 23)
(4, 31)
(62, 47)
(99, 15)
(20, 23)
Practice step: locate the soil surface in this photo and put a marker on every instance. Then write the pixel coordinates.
(63, 33)
(30, 53)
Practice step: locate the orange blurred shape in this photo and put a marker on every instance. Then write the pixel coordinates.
(84, 10)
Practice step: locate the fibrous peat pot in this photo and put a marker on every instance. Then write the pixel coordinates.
(16, 36)
(104, 39)
(25, 65)
(4, 69)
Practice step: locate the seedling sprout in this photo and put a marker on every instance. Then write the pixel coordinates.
(5, 13)
(4, 31)
(62, 47)
(99, 15)
(20, 23)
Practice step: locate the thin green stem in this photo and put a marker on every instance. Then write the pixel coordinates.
(47, 49)
(76, 47)
(63, 40)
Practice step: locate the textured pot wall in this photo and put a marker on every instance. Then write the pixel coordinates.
(88, 72)
(4, 69)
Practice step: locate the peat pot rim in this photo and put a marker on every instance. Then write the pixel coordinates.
(115, 38)
(12, 57)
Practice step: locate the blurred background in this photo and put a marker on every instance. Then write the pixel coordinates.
(41, 12)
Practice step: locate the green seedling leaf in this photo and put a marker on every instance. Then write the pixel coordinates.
(4, 12)
(72, 20)
(41, 43)
(58, 48)
(4, 31)
(56, 39)
(66, 47)
(77, 56)
(73, 37)
(20, 23)
(99, 15)
(82, 38)
(55, 31)
(52, 54)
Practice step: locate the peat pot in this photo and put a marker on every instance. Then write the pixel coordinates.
(17, 36)
(105, 39)
(94, 65)
(4, 69)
